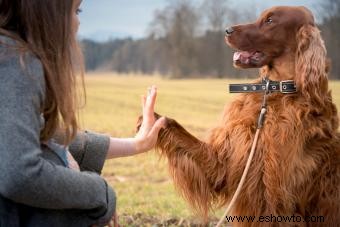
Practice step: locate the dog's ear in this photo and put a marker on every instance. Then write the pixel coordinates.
(311, 64)
(328, 65)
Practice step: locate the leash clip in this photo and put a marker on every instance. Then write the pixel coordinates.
(263, 111)
(260, 121)
(267, 91)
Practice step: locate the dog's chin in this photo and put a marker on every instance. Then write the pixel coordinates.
(240, 65)
(249, 59)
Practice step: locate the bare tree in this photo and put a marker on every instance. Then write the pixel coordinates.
(178, 24)
(217, 14)
(186, 40)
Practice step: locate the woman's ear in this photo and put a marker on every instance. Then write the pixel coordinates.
(311, 64)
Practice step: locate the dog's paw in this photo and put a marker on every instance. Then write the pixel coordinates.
(140, 121)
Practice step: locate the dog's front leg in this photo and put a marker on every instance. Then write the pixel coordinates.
(190, 161)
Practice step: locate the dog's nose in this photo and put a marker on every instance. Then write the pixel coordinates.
(229, 31)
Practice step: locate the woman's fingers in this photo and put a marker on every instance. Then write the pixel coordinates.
(151, 98)
(148, 105)
(143, 102)
(146, 137)
(148, 113)
(115, 220)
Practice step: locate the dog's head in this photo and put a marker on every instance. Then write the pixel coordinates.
(285, 39)
(273, 34)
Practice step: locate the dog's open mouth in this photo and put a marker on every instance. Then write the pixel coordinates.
(248, 58)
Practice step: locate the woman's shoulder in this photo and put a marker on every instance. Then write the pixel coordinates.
(19, 65)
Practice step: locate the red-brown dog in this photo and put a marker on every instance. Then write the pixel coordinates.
(296, 167)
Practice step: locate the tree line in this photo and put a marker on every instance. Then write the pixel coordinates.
(185, 40)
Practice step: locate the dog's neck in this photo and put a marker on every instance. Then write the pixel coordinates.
(281, 68)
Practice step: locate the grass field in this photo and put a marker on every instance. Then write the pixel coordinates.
(142, 182)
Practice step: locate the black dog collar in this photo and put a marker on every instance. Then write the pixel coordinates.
(285, 87)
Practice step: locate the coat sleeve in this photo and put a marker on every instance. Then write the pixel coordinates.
(89, 149)
(25, 176)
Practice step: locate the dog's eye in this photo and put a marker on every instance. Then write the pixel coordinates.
(269, 20)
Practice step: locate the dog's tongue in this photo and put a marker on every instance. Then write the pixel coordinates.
(242, 56)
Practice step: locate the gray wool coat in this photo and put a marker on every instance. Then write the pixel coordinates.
(36, 188)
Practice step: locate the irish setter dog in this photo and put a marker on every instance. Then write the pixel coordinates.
(296, 166)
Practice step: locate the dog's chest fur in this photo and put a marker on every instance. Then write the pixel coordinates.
(281, 168)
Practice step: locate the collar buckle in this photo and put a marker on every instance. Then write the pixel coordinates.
(284, 89)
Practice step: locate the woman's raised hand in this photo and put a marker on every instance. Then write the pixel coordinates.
(146, 137)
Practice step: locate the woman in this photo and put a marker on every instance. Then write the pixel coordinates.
(40, 147)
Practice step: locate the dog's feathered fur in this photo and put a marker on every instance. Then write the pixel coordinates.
(296, 167)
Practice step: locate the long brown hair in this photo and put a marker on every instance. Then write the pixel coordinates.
(46, 29)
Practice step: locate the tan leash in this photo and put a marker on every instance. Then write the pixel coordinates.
(251, 155)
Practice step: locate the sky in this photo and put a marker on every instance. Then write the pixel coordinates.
(104, 19)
